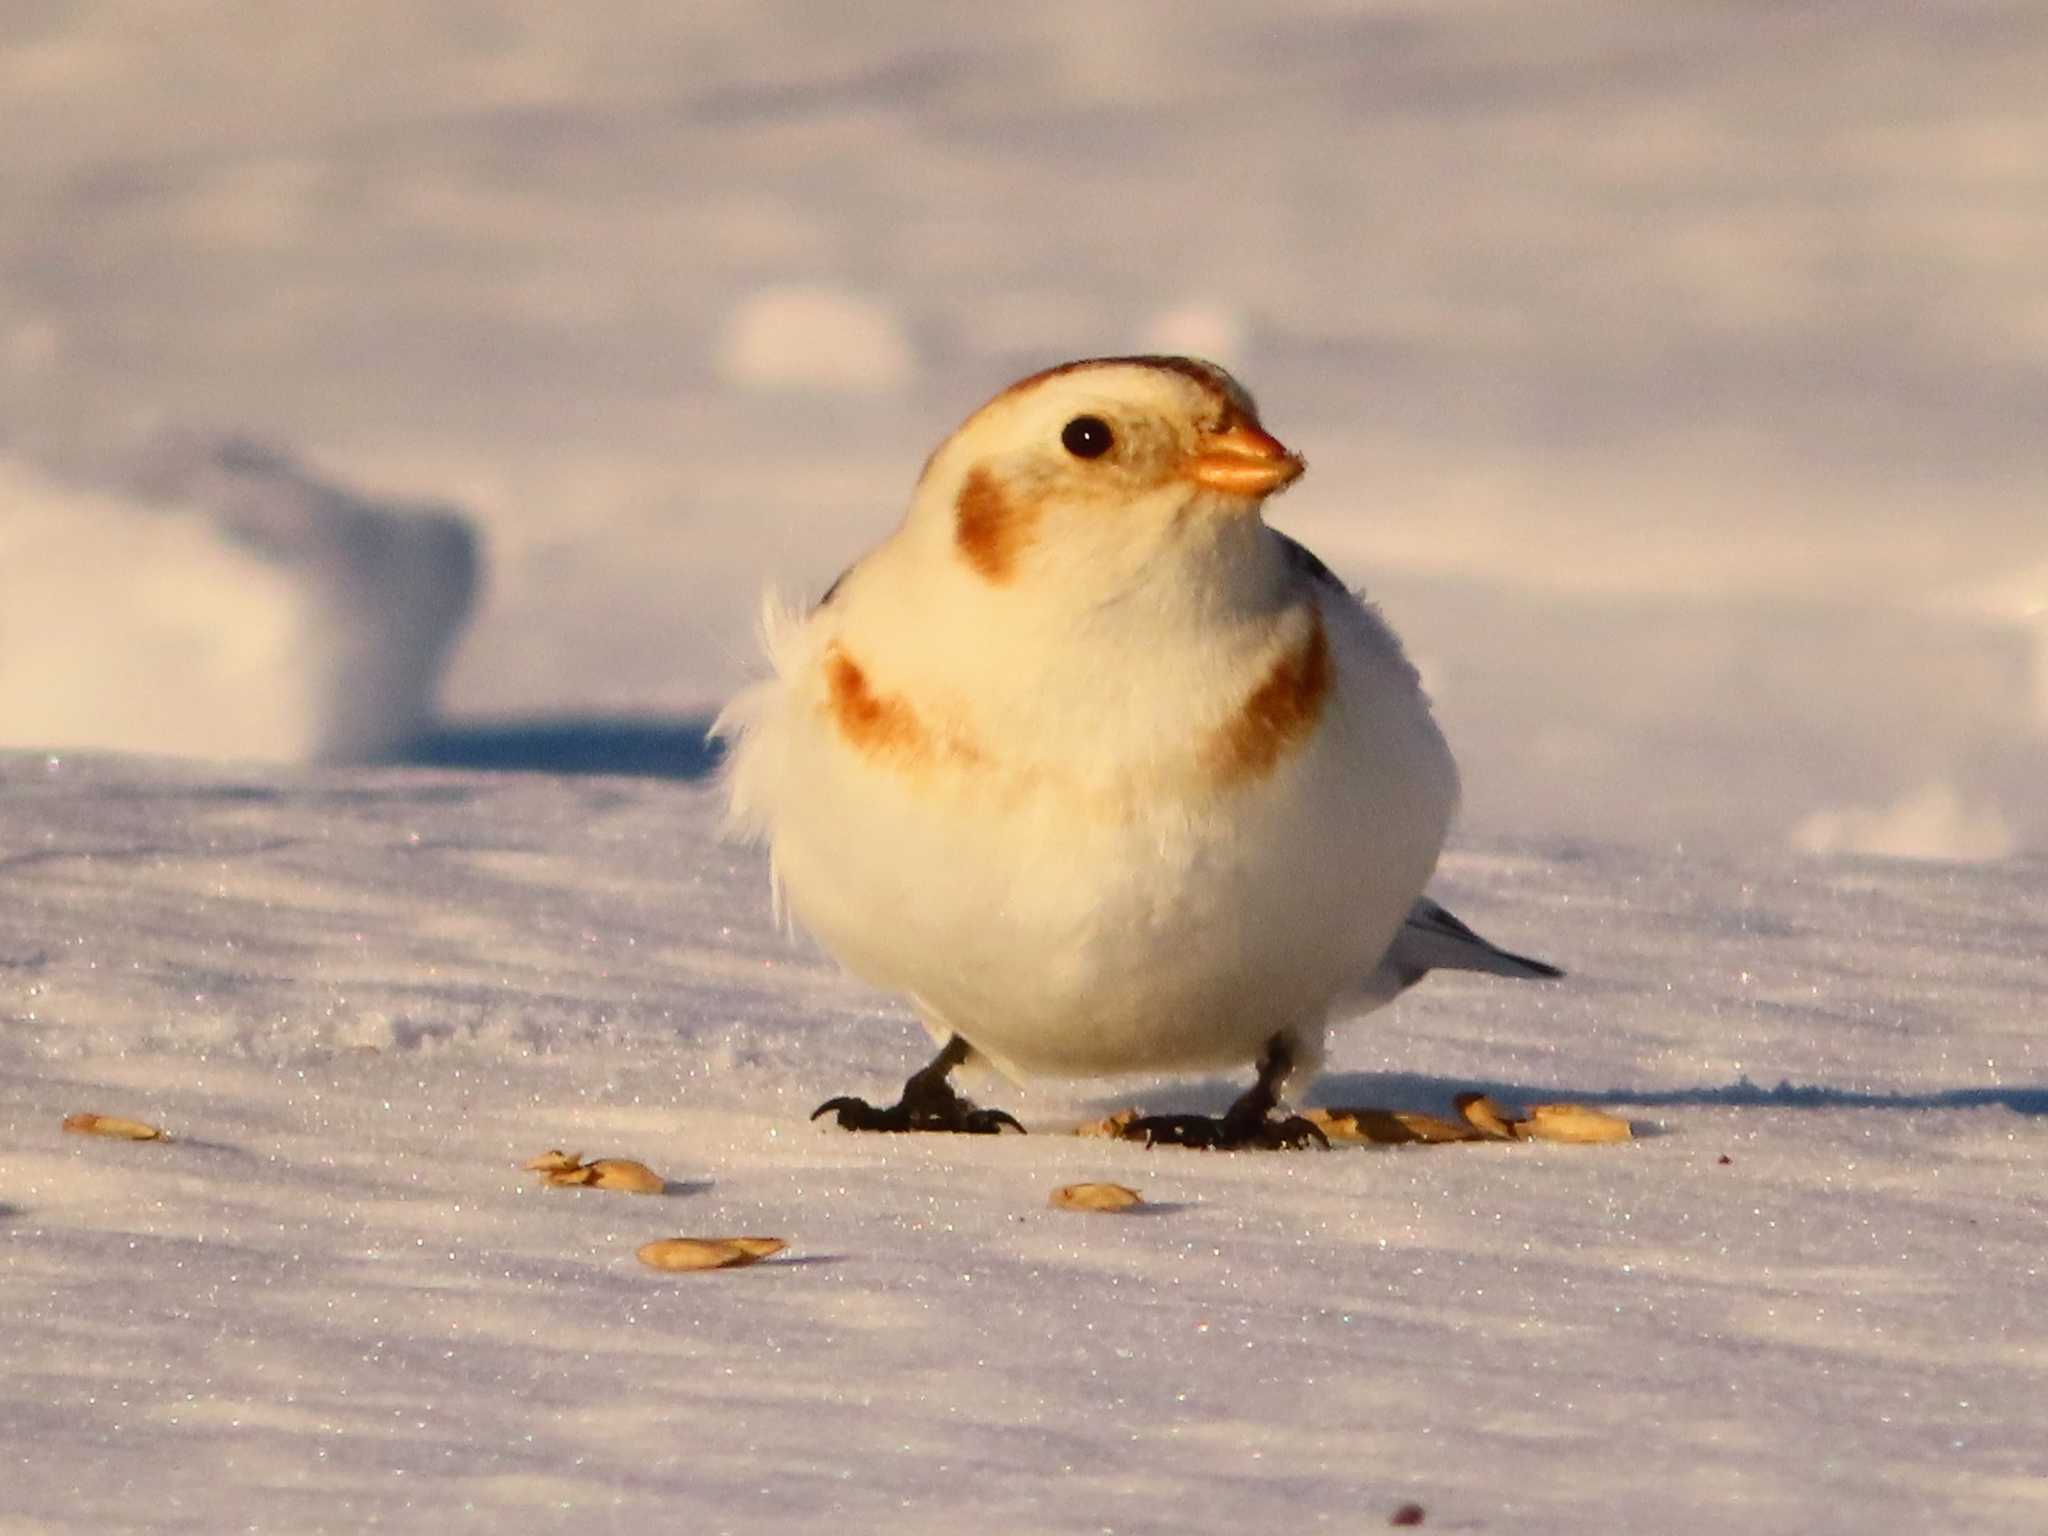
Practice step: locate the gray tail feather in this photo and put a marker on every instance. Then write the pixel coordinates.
(1432, 939)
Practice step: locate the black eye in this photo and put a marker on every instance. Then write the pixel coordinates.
(1087, 437)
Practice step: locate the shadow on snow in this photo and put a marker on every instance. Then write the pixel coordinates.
(1409, 1090)
(1433, 1095)
(644, 747)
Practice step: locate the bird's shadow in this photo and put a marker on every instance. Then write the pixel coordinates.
(1406, 1090)
(1433, 1095)
(632, 746)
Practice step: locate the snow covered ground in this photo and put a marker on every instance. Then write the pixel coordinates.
(1806, 1300)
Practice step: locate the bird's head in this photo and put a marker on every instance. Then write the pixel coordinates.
(1095, 474)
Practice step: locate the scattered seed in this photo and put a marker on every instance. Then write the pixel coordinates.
(624, 1173)
(113, 1125)
(1096, 1197)
(554, 1161)
(1388, 1127)
(1484, 1116)
(690, 1253)
(1407, 1514)
(565, 1170)
(1572, 1122)
(1484, 1120)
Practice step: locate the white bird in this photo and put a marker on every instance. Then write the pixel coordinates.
(1099, 770)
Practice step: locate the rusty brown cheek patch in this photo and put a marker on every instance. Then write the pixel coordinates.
(1274, 719)
(882, 724)
(1277, 716)
(872, 722)
(991, 528)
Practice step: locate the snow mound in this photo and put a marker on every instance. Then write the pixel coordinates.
(212, 598)
(1214, 331)
(806, 338)
(1932, 822)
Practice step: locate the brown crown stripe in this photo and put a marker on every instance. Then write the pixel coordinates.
(1278, 715)
(990, 528)
(1219, 385)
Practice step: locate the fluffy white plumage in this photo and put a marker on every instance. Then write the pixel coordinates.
(1101, 771)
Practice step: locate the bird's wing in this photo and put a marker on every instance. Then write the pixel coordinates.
(833, 590)
(1341, 605)
(1309, 564)
(1433, 940)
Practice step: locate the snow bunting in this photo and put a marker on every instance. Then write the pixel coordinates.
(1099, 770)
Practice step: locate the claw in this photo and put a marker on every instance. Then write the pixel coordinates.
(954, 1114)
(859, 1115)
(993, 1122)
(1248, 1122)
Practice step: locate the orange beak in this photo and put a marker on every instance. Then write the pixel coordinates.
(1243, 460)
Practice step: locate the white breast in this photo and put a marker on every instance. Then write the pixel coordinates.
(1052, 870)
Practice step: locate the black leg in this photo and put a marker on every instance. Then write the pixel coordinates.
(1248, 1122)
(929, 1103)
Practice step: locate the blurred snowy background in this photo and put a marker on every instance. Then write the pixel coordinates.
(1676, 374)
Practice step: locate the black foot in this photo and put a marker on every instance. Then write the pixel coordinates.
(929, 1103)
(1226, 1132)
(958, 1115)
(1249, 1122)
